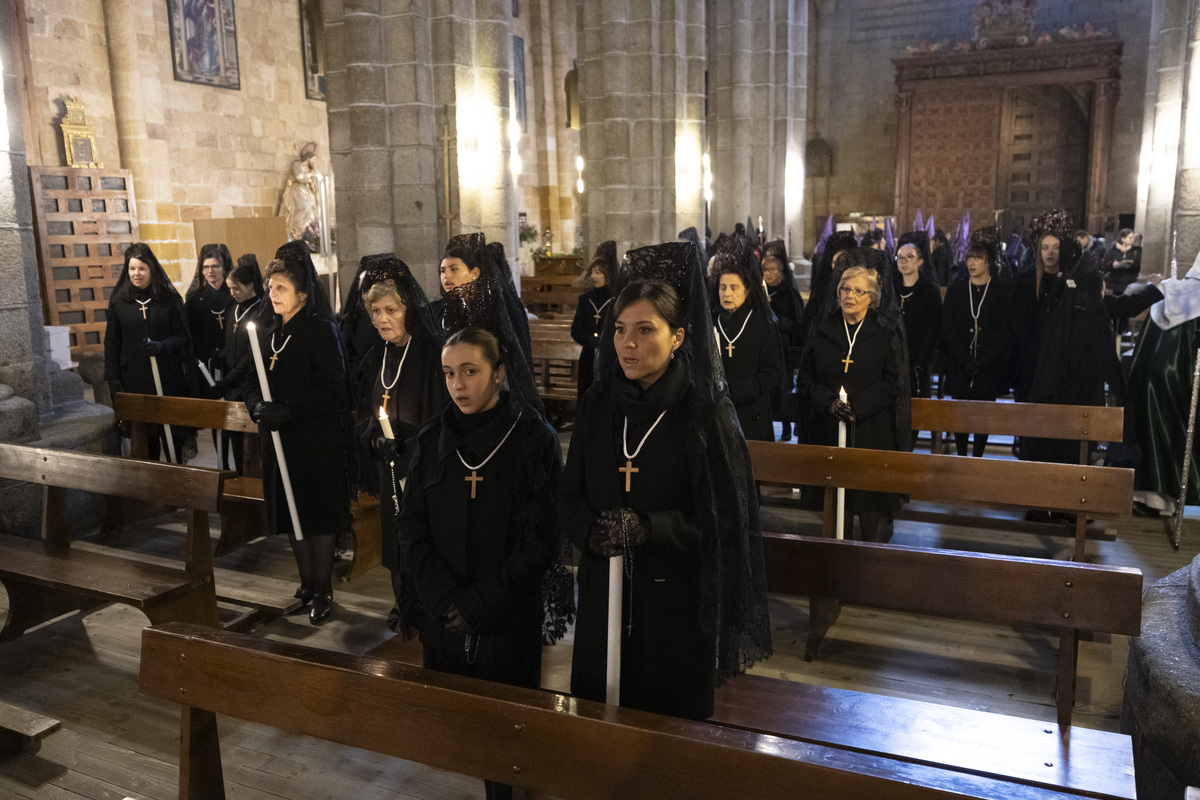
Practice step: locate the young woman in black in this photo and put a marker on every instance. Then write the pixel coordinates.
(478, 527)
(747, 336)
(592, 310)
(146, 321)
(307, 377)
(658, 472)
(921, 305)
(788, 306)
(250, 305)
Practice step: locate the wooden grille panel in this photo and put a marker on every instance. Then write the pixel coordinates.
(85, 218)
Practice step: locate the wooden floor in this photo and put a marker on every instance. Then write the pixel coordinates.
(116, 744)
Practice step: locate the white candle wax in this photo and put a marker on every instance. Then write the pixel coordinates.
(385, 423)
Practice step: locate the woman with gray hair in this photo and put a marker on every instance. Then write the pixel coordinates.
(850, 350)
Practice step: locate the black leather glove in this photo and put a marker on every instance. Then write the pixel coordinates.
(455, 621)
(152, 348)
(615, 528)
(842, 410)
(386, 448)
(217, 390)
(273, 416)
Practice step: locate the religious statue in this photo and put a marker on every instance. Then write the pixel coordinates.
(304, 199)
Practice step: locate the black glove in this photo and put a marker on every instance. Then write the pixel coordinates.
(973, 367)
(271, 416)
(842, 410)
(115, 386)
(386, 448)
(152, 348)
(455, 621)
(615, 528)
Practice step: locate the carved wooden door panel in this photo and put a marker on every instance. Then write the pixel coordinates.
(1043, 161)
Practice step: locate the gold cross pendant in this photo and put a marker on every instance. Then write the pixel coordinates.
(847, 361)
(628, 469)
(729, 349)
(474, 479)
(274, 358)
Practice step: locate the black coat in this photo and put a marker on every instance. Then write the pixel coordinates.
(487, 555)
(668, 633)
(1032, 311)
(310, 379)
(586, 329)
(125, 358)
(236, 356)
(977, 367)
(754, 369)
(872, 386)
(207, 311)
(921, 306)
(418, 396)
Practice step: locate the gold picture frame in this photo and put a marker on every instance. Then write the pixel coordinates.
(79, 142)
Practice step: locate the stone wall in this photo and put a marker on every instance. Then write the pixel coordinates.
(195, 151)
(852, 90)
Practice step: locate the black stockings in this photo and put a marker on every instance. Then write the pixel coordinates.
(314, 559)
(875, 526)
(979, 445)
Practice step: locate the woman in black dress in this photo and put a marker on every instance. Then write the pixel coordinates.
(591, 312)
(1122, 262)
(788, 306)
(658, 472)
(207, 305)
(307, 377)
(1037, 292)
(921, 304)
(402, 375)
(853, 350)
(748, 337)
(478, 527)
(977, 334)
(146, 321)
(249, 305)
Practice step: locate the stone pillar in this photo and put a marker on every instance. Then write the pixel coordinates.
(24, 391)
(141, 126)
(1161, 130)
(413, 137)
(1186, 217)
(641, 83)
(756, 116)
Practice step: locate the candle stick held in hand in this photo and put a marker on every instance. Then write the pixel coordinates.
(841, 492)
(259, 368)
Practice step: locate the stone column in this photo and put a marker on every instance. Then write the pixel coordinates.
(1186, 217)
(141, 126)
(641, 77)
(1161, 130)
(756, 116)
(24, 392)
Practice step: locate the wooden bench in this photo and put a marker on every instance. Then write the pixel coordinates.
(242, 513)
(47, 578)
(1040, 420)
(20, 728)
(975, 586)
(542, 741)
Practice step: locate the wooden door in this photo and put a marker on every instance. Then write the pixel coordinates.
(1043, 162)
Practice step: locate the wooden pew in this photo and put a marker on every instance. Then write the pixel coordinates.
(555, 361)
(982, 587)
(541, 741)
(47, 578)
(1040, 420)
(242, 515)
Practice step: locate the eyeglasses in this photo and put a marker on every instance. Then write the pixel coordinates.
(771, 269)
(207, 267)
(850, 290)
(906, 258)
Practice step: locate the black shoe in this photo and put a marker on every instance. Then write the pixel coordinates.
(305, 596)
(1037, 515)
(322, 607)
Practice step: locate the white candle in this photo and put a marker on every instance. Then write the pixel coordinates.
(158, 389)
(204, 371)
(841, 492)
(265, 388)
(385, 423)
(612, 667)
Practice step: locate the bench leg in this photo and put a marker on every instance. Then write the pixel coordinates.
(822, 613)
(197, 605)
(240, 523)
(30, 604)
(1068, 654)
(200, 775)
(368, 545)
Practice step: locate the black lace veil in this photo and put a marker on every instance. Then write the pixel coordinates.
(418, 322)
(296, 256)
(733, 578)
(919, 240)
